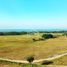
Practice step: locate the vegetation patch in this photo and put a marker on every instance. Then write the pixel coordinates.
(47, 62)
(47, 36)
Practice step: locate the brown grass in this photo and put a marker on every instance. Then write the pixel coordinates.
(19, 47)
(61, 61)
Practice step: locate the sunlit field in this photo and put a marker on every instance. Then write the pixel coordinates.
(60, 61)
(18, 47)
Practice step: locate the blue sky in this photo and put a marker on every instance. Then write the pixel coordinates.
(33, 14)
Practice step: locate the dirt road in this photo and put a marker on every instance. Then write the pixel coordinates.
(35, 61)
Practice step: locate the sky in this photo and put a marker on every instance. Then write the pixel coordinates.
(33, 14)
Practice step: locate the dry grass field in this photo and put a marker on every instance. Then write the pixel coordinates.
(18, 47)
(60, 61)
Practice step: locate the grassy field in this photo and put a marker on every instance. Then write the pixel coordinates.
(20, 46)
(9, 64)
(61, 61)
(27, 65)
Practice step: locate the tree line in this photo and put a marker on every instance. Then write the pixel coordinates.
(12, 33)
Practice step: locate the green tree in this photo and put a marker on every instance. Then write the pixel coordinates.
(47, 36)
(30, 59)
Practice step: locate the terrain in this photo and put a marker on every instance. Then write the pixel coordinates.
(18, 47)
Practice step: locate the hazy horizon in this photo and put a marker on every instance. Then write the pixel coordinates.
(31, 30)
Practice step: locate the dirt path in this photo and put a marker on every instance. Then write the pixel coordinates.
(51, 58)
(17, 61)
(35, 61)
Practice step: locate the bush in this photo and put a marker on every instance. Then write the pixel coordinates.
(47, 36)
(34, 39)
(30, 59)
(46, 62)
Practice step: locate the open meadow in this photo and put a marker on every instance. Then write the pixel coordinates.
(18, 47)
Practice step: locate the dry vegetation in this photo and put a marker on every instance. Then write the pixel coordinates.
(20, 46)
(61, 61)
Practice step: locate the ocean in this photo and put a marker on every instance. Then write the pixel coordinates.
(30, 30)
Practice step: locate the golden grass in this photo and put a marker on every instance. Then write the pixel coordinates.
(60, 61)
(21, 46)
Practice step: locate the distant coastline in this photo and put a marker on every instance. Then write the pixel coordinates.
(31, 30)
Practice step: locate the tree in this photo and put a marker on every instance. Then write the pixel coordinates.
(30, 59)
(47, 36)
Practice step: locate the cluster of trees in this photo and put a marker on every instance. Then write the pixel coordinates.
(12, 33)
(44, 36)
(47, 36)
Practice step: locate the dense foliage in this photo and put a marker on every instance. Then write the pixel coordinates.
(47, 36)
(30, 59)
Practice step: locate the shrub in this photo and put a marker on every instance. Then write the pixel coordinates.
(30, 59)
(47, 36)
(34, 39)
(46, 62)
